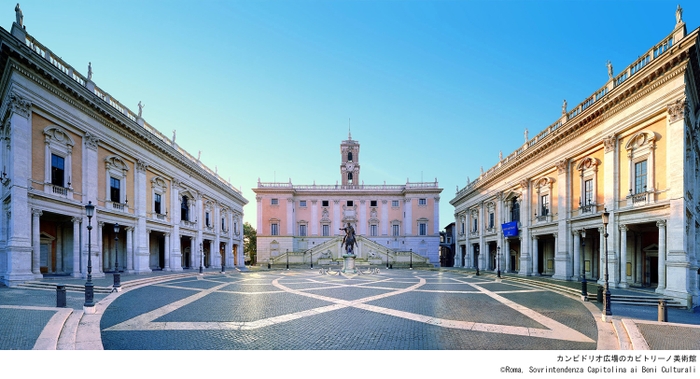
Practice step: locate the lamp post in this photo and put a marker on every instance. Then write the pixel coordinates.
(311, 258)
(476, 254)
(117, 278)
(411, 264)
(387, 259)
(201, 259)
(498, 262)
(606, 304)
(89, 287)
(584, 284)
(287, 254)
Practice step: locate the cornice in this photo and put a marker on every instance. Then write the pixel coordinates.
(610, 105)
(89, 104)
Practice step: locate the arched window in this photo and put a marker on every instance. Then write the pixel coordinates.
(350, 156)
(349, 177)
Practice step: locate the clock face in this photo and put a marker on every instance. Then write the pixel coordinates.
(349, 166)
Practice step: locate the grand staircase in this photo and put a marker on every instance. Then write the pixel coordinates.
(368, 252)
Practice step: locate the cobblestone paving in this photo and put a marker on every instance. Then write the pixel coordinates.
(31, 322)
(664, 337)
(395, 309)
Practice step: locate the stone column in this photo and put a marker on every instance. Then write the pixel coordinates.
(194, 253)
(436, 216)
(129, 249)
(36, 243)
(142, 255)
(385, 218)
(525, 215)
(291, 219)
(661, 224)
(17, 226)
(562, 242)
(363, 218)
(535, 256)
(175, 255)
(97, 265)
(314, 218)
(76, 247)
(408, 220)
(166, 241)
(623, 256)
(577, 252)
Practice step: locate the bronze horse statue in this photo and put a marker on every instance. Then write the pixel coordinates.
(349, 240)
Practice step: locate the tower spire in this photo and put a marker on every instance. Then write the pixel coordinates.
(349, 135)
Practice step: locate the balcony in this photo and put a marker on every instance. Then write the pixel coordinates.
(640, 199)
(119, 206)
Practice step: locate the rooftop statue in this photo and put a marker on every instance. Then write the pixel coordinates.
(679, 14)
(19, 15)
(89, 71)
(563, 107)
(610, 70)
(141, 111)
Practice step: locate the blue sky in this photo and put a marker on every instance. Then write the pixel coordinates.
(433, 89)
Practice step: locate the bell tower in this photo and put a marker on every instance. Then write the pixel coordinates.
(350, 161)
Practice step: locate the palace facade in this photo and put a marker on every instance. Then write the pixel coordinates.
(67, 143)
(631, 150)
(394, 223)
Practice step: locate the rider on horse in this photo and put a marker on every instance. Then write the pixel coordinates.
(349, 239)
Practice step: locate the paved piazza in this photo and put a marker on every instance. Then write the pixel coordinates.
(304, 309)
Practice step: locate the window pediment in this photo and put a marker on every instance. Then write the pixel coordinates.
(588, 163)
(57, 134)
(114, 162)
(642, 140)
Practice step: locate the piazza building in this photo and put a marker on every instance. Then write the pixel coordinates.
(630, 150)
(67, 143)
(395, 224)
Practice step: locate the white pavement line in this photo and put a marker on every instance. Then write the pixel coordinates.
(636, 338)
(154, 314)
(622, 336)
(48, 339)
(349, 302)
(66, 341)
(606, 335)
(556, 330)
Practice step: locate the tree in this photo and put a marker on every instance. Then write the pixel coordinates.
(250, 243)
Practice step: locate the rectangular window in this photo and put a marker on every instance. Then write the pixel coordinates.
(349, 203)
(395, 203)
(156, 203)
(545, 205)
(373, 203)
(395, 230)
(588, 195)
(223, 224)
(57, 170)
(422, 229)
(302, 203)
(206, 219)
(114, 193)
(492, 221)
(373, 230)
(324, 203)
(185, 209)
(274, 201)
(640, 177)
(463, 228)
(476, 224)
(302, 230)
(422, 201)
(325, 230)
(274, 229)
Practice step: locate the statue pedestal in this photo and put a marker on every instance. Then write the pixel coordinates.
(349, 264)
